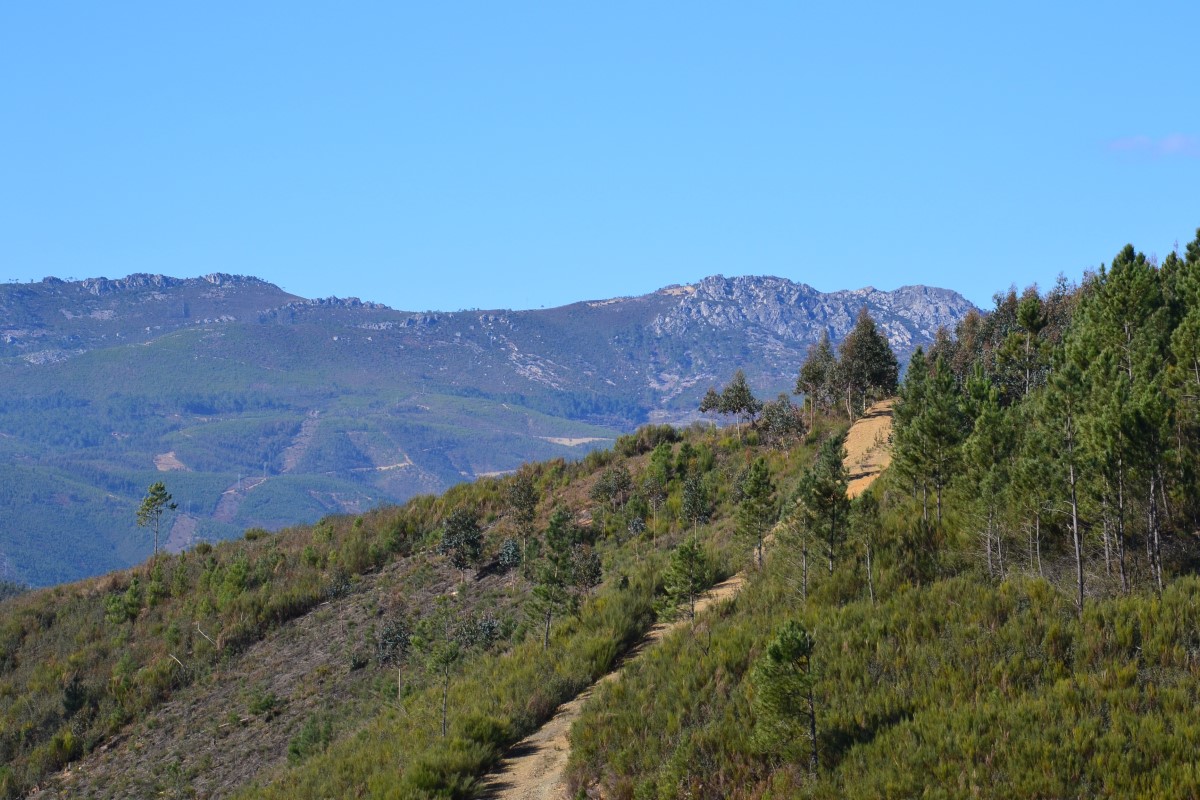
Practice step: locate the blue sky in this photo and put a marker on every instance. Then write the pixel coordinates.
(450, 155)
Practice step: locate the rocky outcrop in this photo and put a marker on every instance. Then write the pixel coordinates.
(767, 307)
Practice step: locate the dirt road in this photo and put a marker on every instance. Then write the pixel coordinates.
(535, 768)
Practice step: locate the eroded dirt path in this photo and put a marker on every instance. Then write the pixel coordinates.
(535, 768)
(869, 447)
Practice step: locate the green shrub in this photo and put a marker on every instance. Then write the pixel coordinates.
(314, 736)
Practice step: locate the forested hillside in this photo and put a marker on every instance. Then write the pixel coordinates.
(1012, 611)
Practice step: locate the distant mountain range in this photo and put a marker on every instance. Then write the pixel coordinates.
(261, 408)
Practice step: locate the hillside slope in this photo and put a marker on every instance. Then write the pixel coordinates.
(223, 670)
(536, 767)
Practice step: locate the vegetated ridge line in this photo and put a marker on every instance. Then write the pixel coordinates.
(535, 767)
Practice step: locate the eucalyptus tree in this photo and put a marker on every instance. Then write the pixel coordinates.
(817, 380)
(462, 540)
(867, 367)
(523, 499)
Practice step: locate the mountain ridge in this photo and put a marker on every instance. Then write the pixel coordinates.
(335, 405)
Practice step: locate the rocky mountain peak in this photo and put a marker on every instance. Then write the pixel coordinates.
(768, 307)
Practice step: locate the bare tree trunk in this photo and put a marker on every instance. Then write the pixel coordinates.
(832, 535)
(999, 545)
(987, 545)
(804, 568)
(925, 501)
(546, 636)
(1120, 533)
(1029, 545)
(1152, 514)
(1075, 531)
(1037, 537)
(870, 575)
(812, 725)
(445, 697)
(1104, 530)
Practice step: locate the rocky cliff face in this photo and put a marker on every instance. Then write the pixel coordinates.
(776, 308)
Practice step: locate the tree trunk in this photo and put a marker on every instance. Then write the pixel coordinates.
(1152, 531)
(812, 725)
(870, 577)
(804, 568)
(1037, 537)
(1075, 531)
(1120, 533)
(546, 636)
(829, 541)
(1104, 532)
(445, 696)
(987, 546)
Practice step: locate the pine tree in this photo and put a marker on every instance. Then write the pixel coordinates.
(784, 703)
(694, 506)
(1033, 480)
(689, 574)
(757, 511)
(1184, 384)
(864, 522)
(821, 495)
(988, 455)
(551, 591)
(910, 451)
(941, 427)
(1062, 405)
(156, 502)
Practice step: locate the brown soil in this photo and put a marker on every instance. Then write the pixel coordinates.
(183, 534)
(535, 768)
(869, 447)
(166, 462)
(208, 742)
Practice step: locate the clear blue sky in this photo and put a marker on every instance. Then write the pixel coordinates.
(449, 155)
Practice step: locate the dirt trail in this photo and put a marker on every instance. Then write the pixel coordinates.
(535, 768)
(869, 447)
